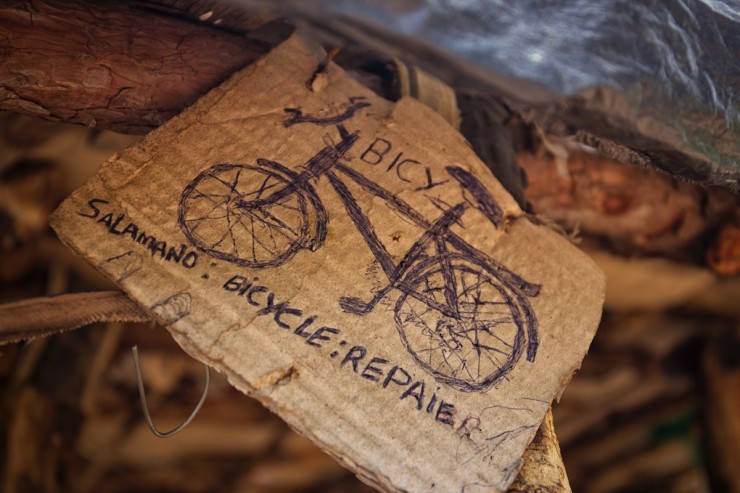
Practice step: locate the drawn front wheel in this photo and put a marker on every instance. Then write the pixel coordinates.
(461, 324)
(213, 219)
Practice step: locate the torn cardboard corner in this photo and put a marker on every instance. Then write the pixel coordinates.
(350, 263)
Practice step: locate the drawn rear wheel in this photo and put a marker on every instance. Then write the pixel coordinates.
(213, 221)
(469, 350)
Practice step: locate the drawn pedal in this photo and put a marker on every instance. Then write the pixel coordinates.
(354, 305)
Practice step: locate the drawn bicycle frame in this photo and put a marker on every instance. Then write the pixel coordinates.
(464, 317)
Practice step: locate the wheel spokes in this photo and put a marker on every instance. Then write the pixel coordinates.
(481, 341)
(214, 215)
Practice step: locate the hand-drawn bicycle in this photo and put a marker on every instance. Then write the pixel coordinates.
(464, 317)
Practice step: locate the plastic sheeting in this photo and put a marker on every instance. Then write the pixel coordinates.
(690, 49)
(671, 68)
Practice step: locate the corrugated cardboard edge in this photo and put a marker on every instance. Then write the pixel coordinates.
(121, 171)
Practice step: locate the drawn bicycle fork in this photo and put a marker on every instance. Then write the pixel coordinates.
(464, 317)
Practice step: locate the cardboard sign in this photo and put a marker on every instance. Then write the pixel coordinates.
(350, 263)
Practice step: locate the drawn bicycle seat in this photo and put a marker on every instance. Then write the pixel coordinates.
(465, 318)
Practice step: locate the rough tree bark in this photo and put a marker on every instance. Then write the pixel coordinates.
(634, 210)
(110, 65)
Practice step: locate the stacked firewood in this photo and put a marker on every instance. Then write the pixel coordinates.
(653, 408)
(656, 405)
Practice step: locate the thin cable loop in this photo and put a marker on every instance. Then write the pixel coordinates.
(145, 408)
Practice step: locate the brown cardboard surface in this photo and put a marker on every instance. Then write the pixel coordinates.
(350, 263)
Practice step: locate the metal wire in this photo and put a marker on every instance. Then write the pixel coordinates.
(145, 408)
